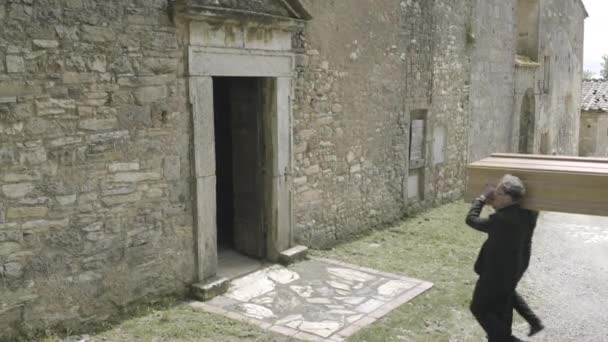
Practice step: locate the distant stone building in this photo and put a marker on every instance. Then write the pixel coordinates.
(138, 136)
(594, 119)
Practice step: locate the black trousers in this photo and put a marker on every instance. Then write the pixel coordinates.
(522, 308)
(493, 309)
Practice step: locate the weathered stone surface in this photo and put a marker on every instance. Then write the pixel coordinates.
(172, 168)
(256, 311)
(7, 248)
(17, 190)
(293, 255)
(122, 167)
(324, 328)
(51, 106)
(123, 190)
(13, 269)
(134, 116)
(212, 289)
(129, 177)
(11, 129)
(21, 177)
(45, 43)
(45, 224)
(150, 94)
(109, 136)
(97, 34)
(15, 64)
(98, 124)
(26, 212)
(79, 77)
(121, 199)
(66, 200)
(97, 63)
(65, 141)
(302, 303)
(33, 156)
(8, 99)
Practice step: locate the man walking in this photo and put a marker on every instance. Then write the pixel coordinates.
(519, 304)
(501, 258)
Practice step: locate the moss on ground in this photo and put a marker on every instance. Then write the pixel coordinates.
(435, 246)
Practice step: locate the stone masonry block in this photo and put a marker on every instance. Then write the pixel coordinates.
(150, 94)
(7, 248)
(209, 290)
(26, 212)
(36, 155)
(51, 106)
(122, 167)
(7, 99)
(293, 255)
(21, 177)
(134, 116)
(15, 64)
(13, 269)
(79, 77)
(45, 224)
(97, 34)
(98, 124)
(97, 63)
(108, 136)
(172, 168)
(18, 190)
(121, 199)
(130, 177)
(45, 43)
(65, 141)
(66, 200)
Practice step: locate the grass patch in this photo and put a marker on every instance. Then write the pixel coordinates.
(183, 323)
(435, 246)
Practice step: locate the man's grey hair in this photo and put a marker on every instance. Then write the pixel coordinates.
(513, 186)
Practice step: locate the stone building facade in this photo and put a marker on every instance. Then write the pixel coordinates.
(594, 119)
(136, 135)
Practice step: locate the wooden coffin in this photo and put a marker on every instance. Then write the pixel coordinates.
(553, 183)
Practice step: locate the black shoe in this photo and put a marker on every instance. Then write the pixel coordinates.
(536, 328)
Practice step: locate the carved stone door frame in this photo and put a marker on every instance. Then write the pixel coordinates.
(204, 63)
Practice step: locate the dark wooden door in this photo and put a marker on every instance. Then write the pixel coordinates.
(247, 154)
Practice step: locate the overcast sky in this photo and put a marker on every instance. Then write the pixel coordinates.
(596, 34)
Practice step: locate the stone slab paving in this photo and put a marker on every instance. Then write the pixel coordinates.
(315, 300)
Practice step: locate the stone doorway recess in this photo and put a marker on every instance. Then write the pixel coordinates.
(205, 63)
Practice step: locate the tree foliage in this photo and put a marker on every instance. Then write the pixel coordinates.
(604, 71)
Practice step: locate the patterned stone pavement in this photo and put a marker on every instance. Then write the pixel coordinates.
(315, 300)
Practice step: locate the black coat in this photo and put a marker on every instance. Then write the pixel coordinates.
(505, 254)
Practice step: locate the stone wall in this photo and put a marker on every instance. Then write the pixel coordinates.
(593, 134)
(450, 107)
(392, 98)
(95, 199)
(349, 140)
(560, 75)
(492, 78)
(367, 72)
(501, 79)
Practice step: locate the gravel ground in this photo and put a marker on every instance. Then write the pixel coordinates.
(567, 282)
